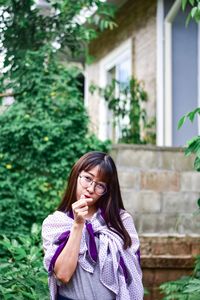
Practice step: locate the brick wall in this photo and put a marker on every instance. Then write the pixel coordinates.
(160, 190)
(136, 21)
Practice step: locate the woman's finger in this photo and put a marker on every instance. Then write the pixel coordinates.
(82, 209)
(79, 204)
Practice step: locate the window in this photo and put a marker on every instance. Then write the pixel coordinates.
(121, 73)
(116, 65)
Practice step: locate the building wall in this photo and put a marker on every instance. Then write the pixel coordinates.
(160, 189)
(136, 21)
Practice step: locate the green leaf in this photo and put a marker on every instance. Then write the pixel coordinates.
(197, 164)
(193, 12)
(184, 2)
(188, 19)
(112, 25)
(191, 116)
(181, 122)
(192, 2)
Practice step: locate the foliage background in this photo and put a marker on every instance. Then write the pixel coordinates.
(44, 131)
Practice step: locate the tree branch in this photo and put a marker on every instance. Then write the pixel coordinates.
(8, 95)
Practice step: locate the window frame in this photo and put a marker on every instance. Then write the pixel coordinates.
(121, 53)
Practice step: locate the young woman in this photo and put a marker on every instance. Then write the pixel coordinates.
(90, 243)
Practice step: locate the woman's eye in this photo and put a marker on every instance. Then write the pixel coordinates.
(101, 186)
(88, 178)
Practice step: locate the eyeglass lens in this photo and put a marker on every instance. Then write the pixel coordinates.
(86, 181)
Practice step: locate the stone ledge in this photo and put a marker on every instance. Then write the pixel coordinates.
(146, 148)
(137, 157)
(167, 262)
(170, 246)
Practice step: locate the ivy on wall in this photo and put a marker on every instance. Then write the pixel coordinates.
(129, 116)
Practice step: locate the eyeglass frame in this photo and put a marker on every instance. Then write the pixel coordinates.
(96, 182)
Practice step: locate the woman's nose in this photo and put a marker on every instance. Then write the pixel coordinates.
(91, 187)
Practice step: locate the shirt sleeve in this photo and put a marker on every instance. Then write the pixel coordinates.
(130, 227)
(136, 288)
(134, 250)
(52, 227)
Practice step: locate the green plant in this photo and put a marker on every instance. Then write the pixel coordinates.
(193, 145)
(45, 130)
(59, 24)
(42, 134)
(194, 11)
(185, 288)
(129, 115)
(22, 275)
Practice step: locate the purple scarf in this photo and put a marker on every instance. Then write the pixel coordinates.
(125, 263)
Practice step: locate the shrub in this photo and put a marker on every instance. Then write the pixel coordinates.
(42, 134)
(185, 288)
(21, 274)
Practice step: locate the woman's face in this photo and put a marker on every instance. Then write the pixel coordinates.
(89, 185)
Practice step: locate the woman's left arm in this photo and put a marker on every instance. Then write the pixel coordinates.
(130, 227)
(133, 259)
(53, 226)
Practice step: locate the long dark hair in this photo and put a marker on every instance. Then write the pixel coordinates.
(111, 202)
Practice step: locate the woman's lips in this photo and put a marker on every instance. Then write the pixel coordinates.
(87, 196)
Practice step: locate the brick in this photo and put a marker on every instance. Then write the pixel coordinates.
(158, 223)
(132, 17)
(195, 248)
(154, 245)
(169, 224)
(149, 202)
(136, 220)
(145, 248)
(129, 179)
(130, 199)
(162, 268)
(153, 278)
(137, 159)
(190, 181)
(168, 275)
(167, 262)
(148, 277)
(174, 160)
(171, 248)
(160, 181)
(153, 293)
(190, 224)
(184, 202)
(141, 202)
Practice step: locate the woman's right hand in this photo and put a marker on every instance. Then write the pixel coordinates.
(80, 209)
(66, 262)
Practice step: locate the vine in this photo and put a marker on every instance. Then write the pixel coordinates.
(126, 102)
